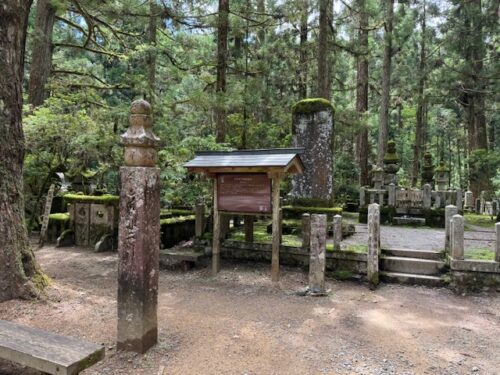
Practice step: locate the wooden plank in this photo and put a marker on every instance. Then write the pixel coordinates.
(45, 222)
(45, 351)
(216, 235)
(275, 259)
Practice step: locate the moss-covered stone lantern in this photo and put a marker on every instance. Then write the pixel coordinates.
(428, 170)
(391, 164)
(442, 176)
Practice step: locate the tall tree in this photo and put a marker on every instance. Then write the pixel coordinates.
(18, 267)
(324, 68)
(304, 28)
(362, 92)
(41, 55)
(151, 55)
(222, 32)
(421, 120)
(386, 82)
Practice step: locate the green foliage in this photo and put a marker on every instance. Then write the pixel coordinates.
(63, 216)
(484, 221)
(177, 220)
(479, 253)
(295, 212)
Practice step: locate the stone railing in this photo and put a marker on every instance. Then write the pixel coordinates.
(394, 196)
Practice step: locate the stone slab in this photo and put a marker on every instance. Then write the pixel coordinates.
(45, 351)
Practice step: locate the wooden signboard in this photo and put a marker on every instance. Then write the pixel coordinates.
(244, 192)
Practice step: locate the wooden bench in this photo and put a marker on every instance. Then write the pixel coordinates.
(45, 351)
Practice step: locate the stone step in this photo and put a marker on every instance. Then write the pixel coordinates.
(412, 253)
(412, 279)
(413, 266)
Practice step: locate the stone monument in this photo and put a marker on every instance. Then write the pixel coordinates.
(428, 170)
(442, 176)
(312, 129)
(139, 234)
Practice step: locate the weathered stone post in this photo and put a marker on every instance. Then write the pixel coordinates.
(477, 206)
(199, 211)
(248, 222)
(457, 245)
(139, 234)
(427, 198)
(362, 197)
(469, 200)
(337, 232)
(449, 212)
(459, 200)
(482, 202)
(497, 242)
(373, 244)
(392, 195)
(306, 230)
(312, 129)
(317, 261)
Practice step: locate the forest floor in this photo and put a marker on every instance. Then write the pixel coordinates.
(241, 323)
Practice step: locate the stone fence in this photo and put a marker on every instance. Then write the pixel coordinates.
(394, 196)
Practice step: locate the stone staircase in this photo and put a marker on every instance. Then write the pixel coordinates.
(407, 266)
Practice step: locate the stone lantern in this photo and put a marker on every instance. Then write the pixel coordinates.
(391, 164)
(428, 170)
(139, 141)
(442, 176)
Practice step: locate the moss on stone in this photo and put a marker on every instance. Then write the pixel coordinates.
(62, 216)
(177, 220)
(311, 105)
(106, 198)
(442, 167)
(295, 212)
(41, 280)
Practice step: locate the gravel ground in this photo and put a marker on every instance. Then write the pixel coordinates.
(241, 323)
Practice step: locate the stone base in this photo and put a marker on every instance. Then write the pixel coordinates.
(404, 220)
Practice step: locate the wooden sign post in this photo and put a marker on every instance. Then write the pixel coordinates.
(247, 183)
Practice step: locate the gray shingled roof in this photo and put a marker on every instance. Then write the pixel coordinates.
(245, 158)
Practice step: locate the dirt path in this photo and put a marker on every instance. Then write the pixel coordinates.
(240, 323)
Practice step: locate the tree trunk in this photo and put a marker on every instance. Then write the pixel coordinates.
(151, 55)
(304, 29)
(421, 100)
(223, 28)
(18, 267)
(324, 69)
(362, 93)
(386, 83)
(41, 55)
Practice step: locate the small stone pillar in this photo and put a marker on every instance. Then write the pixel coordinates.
(199, 211)
(373, 244)
(248, 222)
(312, 129)
(482, 202)
(469, 200)
(362, 197)
(427, 198)
(392, 195)
(306, 230)
(497, 242)
(139, 234)
(457, 243)
(337, 232)
(317, 262)
(449, 212)
(477, 207)
(459, 200)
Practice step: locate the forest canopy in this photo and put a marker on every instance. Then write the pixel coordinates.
(225, 75)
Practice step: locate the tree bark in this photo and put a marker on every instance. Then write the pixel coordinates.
(324, 69)
(421, 106)
(304, 29)
(362, 93)
(151, 55)
(41, 55)
(18, 267)
(386, 83)
(223, 28)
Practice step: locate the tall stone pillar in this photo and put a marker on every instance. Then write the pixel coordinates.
(139, 234)
(317, 261)
(372, 265)
(312, 129)
(306, 231)
(457, 238)
(337, 232)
